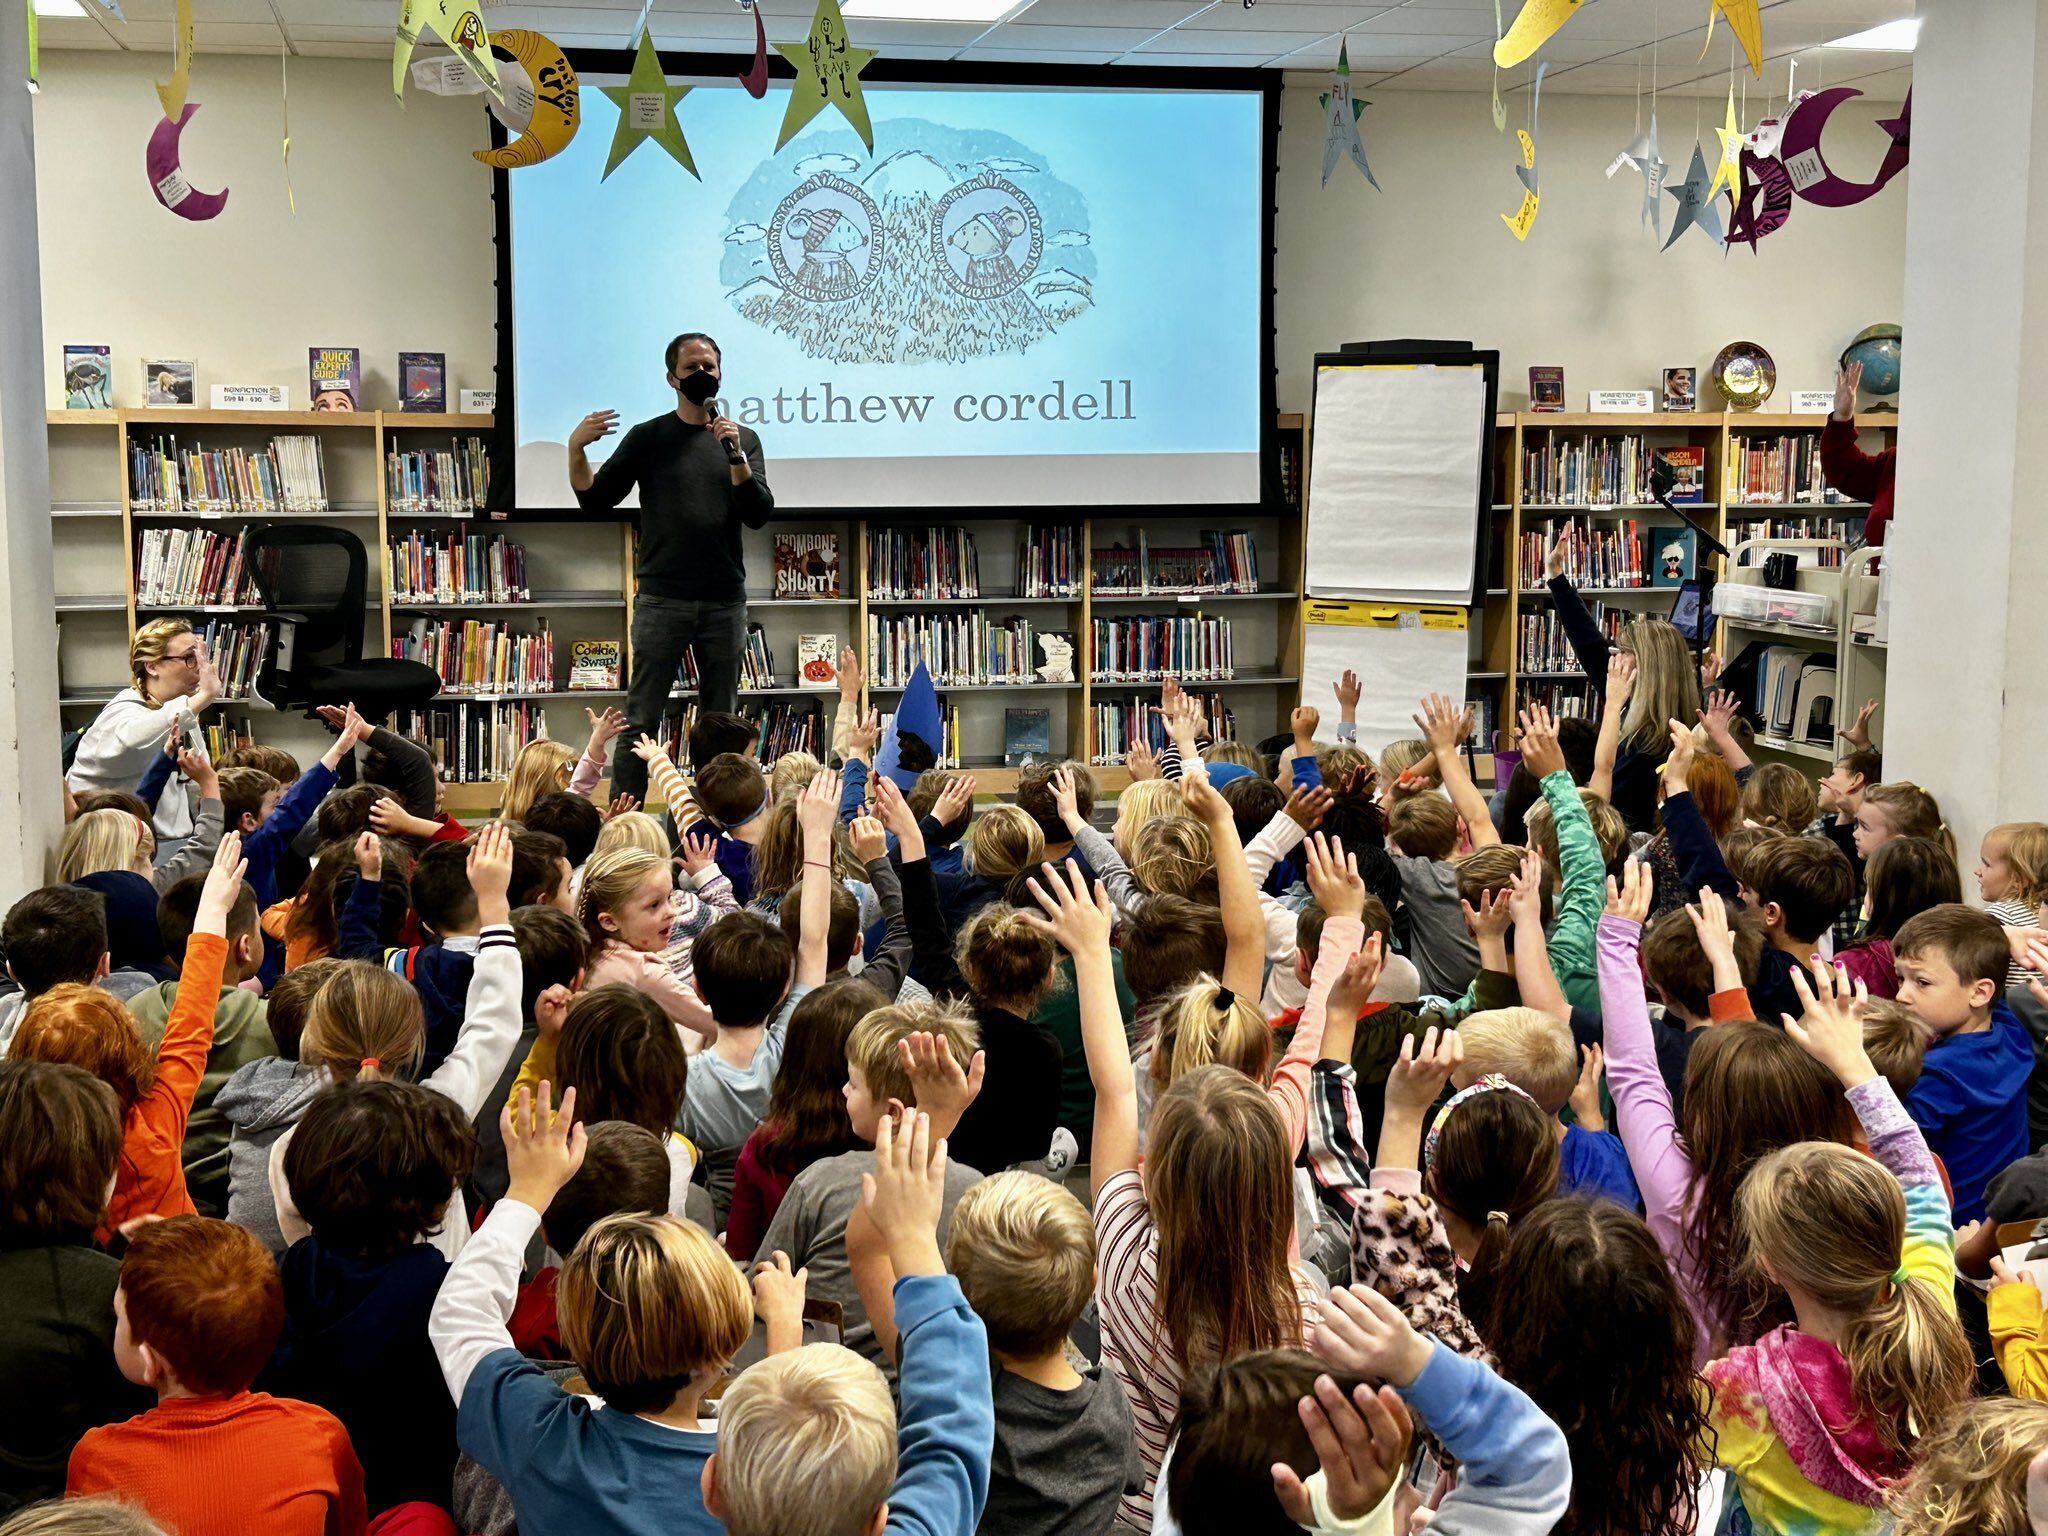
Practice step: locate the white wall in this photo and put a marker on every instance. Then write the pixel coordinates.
(1429, 256)
(391, 247)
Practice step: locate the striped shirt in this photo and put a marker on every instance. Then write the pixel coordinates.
(2016, 914)
(1135, 1346)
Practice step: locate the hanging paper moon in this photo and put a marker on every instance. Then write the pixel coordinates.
(555, 112)
(168, 181)
(1799, 149)
(1763, 203)
(756, 78)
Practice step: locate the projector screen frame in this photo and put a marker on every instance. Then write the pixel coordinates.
(1265, 84)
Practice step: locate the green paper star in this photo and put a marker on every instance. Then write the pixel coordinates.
(647, 110)
(827, 74)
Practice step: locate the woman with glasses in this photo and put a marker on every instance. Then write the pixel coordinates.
(174, 682)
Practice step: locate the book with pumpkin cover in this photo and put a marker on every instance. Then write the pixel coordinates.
(817, 661)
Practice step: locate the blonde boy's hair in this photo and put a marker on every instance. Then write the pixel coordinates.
(1530, 1049)
(646, 1304)
(872, 1045)
(632, 829)
(806, 1445)
(792, 771)
(1172, 856)
(1608, 828)
(1202, 1024)
(1897, 1043)
(1023, 1250)
(99, 841)
(1969, 1477)
(1144, 801)
(1243, 753)
(1337, 765)
(1002, 842)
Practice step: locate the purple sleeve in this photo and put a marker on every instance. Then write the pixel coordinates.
(1895, 1140)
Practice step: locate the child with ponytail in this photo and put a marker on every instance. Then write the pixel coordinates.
(1819, 1419)
(625, 907)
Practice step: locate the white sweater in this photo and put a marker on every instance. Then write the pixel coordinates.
(117, 747)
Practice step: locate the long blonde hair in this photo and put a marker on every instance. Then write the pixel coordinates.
(1172, 856)
(1667, 682)
(1969, 1478)
(1145, 801)
(632, 829)
(1003, 842)
(2024, 846)
(541, 768)
(1203, 1025)
(1833, 1222)
(792, 771)
(608, 880)
(102, 840)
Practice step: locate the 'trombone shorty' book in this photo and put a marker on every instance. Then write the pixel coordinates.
(423, 381)
(335, 377)
(806, 565)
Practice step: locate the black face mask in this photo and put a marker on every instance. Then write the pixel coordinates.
(698, 386)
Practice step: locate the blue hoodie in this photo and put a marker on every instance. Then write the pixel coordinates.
(439, 972)
(1971, 1101)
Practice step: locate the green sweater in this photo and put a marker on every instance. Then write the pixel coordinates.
(1059, 1015)
(1583, 897)
(241, 1034)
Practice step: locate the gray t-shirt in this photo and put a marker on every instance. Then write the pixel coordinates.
(1443, 950)
(810, 1226)
(1062, 1459)
(722, 1103)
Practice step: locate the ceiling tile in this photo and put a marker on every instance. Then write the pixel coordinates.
(1018, 37)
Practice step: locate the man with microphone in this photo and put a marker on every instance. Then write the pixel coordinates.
(701, 478)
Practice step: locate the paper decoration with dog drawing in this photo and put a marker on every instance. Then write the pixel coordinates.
(828, 70)
(460, 25)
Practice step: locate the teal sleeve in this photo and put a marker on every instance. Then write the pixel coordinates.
(1583, 896)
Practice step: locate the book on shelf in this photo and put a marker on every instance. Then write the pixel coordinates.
(922, 563)
(1781, 468)
(1611, 555)
(447, 482)
(334, 378)
(1841, 530)
(290, 475)
(88, 378)
(170, 381)
(193, 565)
(1544, 646)
(806, 565)
(456, 568)
(757, 666)
(237, 650)
(423, 381)
(1485, 722)
(1147, 648)
(481, 656)
(1675, 552)
(1048, 561)
(1117, 724)
(1027, 736)
(1546, 389)
(1055, 657)
(473, 741)
(1226, 561)
(817, 661)
(1605, 471)
(962, 649)
(1563, 698)
(1688, 464)
(1681, 389)
(594, 664)
(224, 736)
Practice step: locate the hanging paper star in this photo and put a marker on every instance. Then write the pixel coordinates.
(1340, 125)
(1644, 155)
(827, 74)
(647, 110)
(1695, 204)
(1746, 21)
(1728, 171)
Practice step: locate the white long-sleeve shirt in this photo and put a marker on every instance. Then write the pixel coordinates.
(115, 749)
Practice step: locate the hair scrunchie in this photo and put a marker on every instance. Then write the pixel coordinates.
(1225, 999)
(1493, 1082)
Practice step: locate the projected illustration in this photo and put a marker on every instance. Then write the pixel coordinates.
(954, 245)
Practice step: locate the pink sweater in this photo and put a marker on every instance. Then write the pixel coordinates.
(617, 964)
(1343, 937)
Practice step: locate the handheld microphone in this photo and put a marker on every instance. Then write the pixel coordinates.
(733, 452)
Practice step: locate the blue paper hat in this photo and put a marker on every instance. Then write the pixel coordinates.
(917, 712)
(1221, 774)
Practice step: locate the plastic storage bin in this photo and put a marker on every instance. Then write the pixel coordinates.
(1748, 604)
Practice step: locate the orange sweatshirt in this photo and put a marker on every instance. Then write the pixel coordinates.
(226, 1466)
(151, 1178)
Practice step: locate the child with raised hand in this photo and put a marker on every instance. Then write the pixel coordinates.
(85, 1027)
(652, 1312)
(1818, 1419)
(196, 1316)
(1218, 1163)
(1515, 1470)
(623, 905)
(1581, 864)
(1984, 1473)
(809, 1440)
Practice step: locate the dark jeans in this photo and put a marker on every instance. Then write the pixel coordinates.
(662, 628)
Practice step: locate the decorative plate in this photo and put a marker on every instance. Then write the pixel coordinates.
(1745, 375)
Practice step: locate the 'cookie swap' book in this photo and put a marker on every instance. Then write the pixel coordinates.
(423, 381)
(594, 664)
(334, 375)
(806, 565)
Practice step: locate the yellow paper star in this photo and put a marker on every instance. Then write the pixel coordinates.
(827, 74)
(1728, 172)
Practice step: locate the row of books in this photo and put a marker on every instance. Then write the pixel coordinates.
(1146, 648)
(288, 476)
(1597, 471)
(1290, 472)
(481, 656)
(757, 666)
(1565, 700)
(1049, 561)
(194, 565)
(1777, 469)
(966, 649)
(238, 650)
(785, 726)
(922, 563)
(1840, 529)
(947, 747)
(1543, 647)
(1117, 725)
(1225, 561)
(450, 482)
(472, 741)
(224, 736)
(457, 568)
(1610, 556)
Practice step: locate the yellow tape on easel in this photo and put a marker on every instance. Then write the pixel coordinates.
(1383, 615)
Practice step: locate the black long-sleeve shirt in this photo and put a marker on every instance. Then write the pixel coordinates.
(1635, 772)
(690, 511)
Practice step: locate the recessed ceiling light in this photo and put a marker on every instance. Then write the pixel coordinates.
(60, 8)
(933, 10)
(1892, 37)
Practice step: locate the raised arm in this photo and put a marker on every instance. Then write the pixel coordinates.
(1098, 850)
(1580, 628)
(667, 780)
(490, 1021)
(1244, 925)
(1338, 889)
(1718, 716)
(1446, 728)
(604, 729)
(1080, 922)
(817, 814)
(1534, 978)
(1301, 815)
(1621, 683)
(1692, 841)
(1582, 869)
(890, 962)
(359, 924)
(932, 961)
(188, 1032)
(208, 823)
(604, 487)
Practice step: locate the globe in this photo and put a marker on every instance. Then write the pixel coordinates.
(1876, 347)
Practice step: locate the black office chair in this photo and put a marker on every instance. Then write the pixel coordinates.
(313, 581)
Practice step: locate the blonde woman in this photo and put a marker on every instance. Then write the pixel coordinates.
(173, 683)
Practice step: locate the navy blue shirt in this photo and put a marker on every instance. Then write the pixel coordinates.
(1971, 1101)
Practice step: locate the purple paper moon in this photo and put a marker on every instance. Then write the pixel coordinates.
(1799, 151)
(168, 181)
